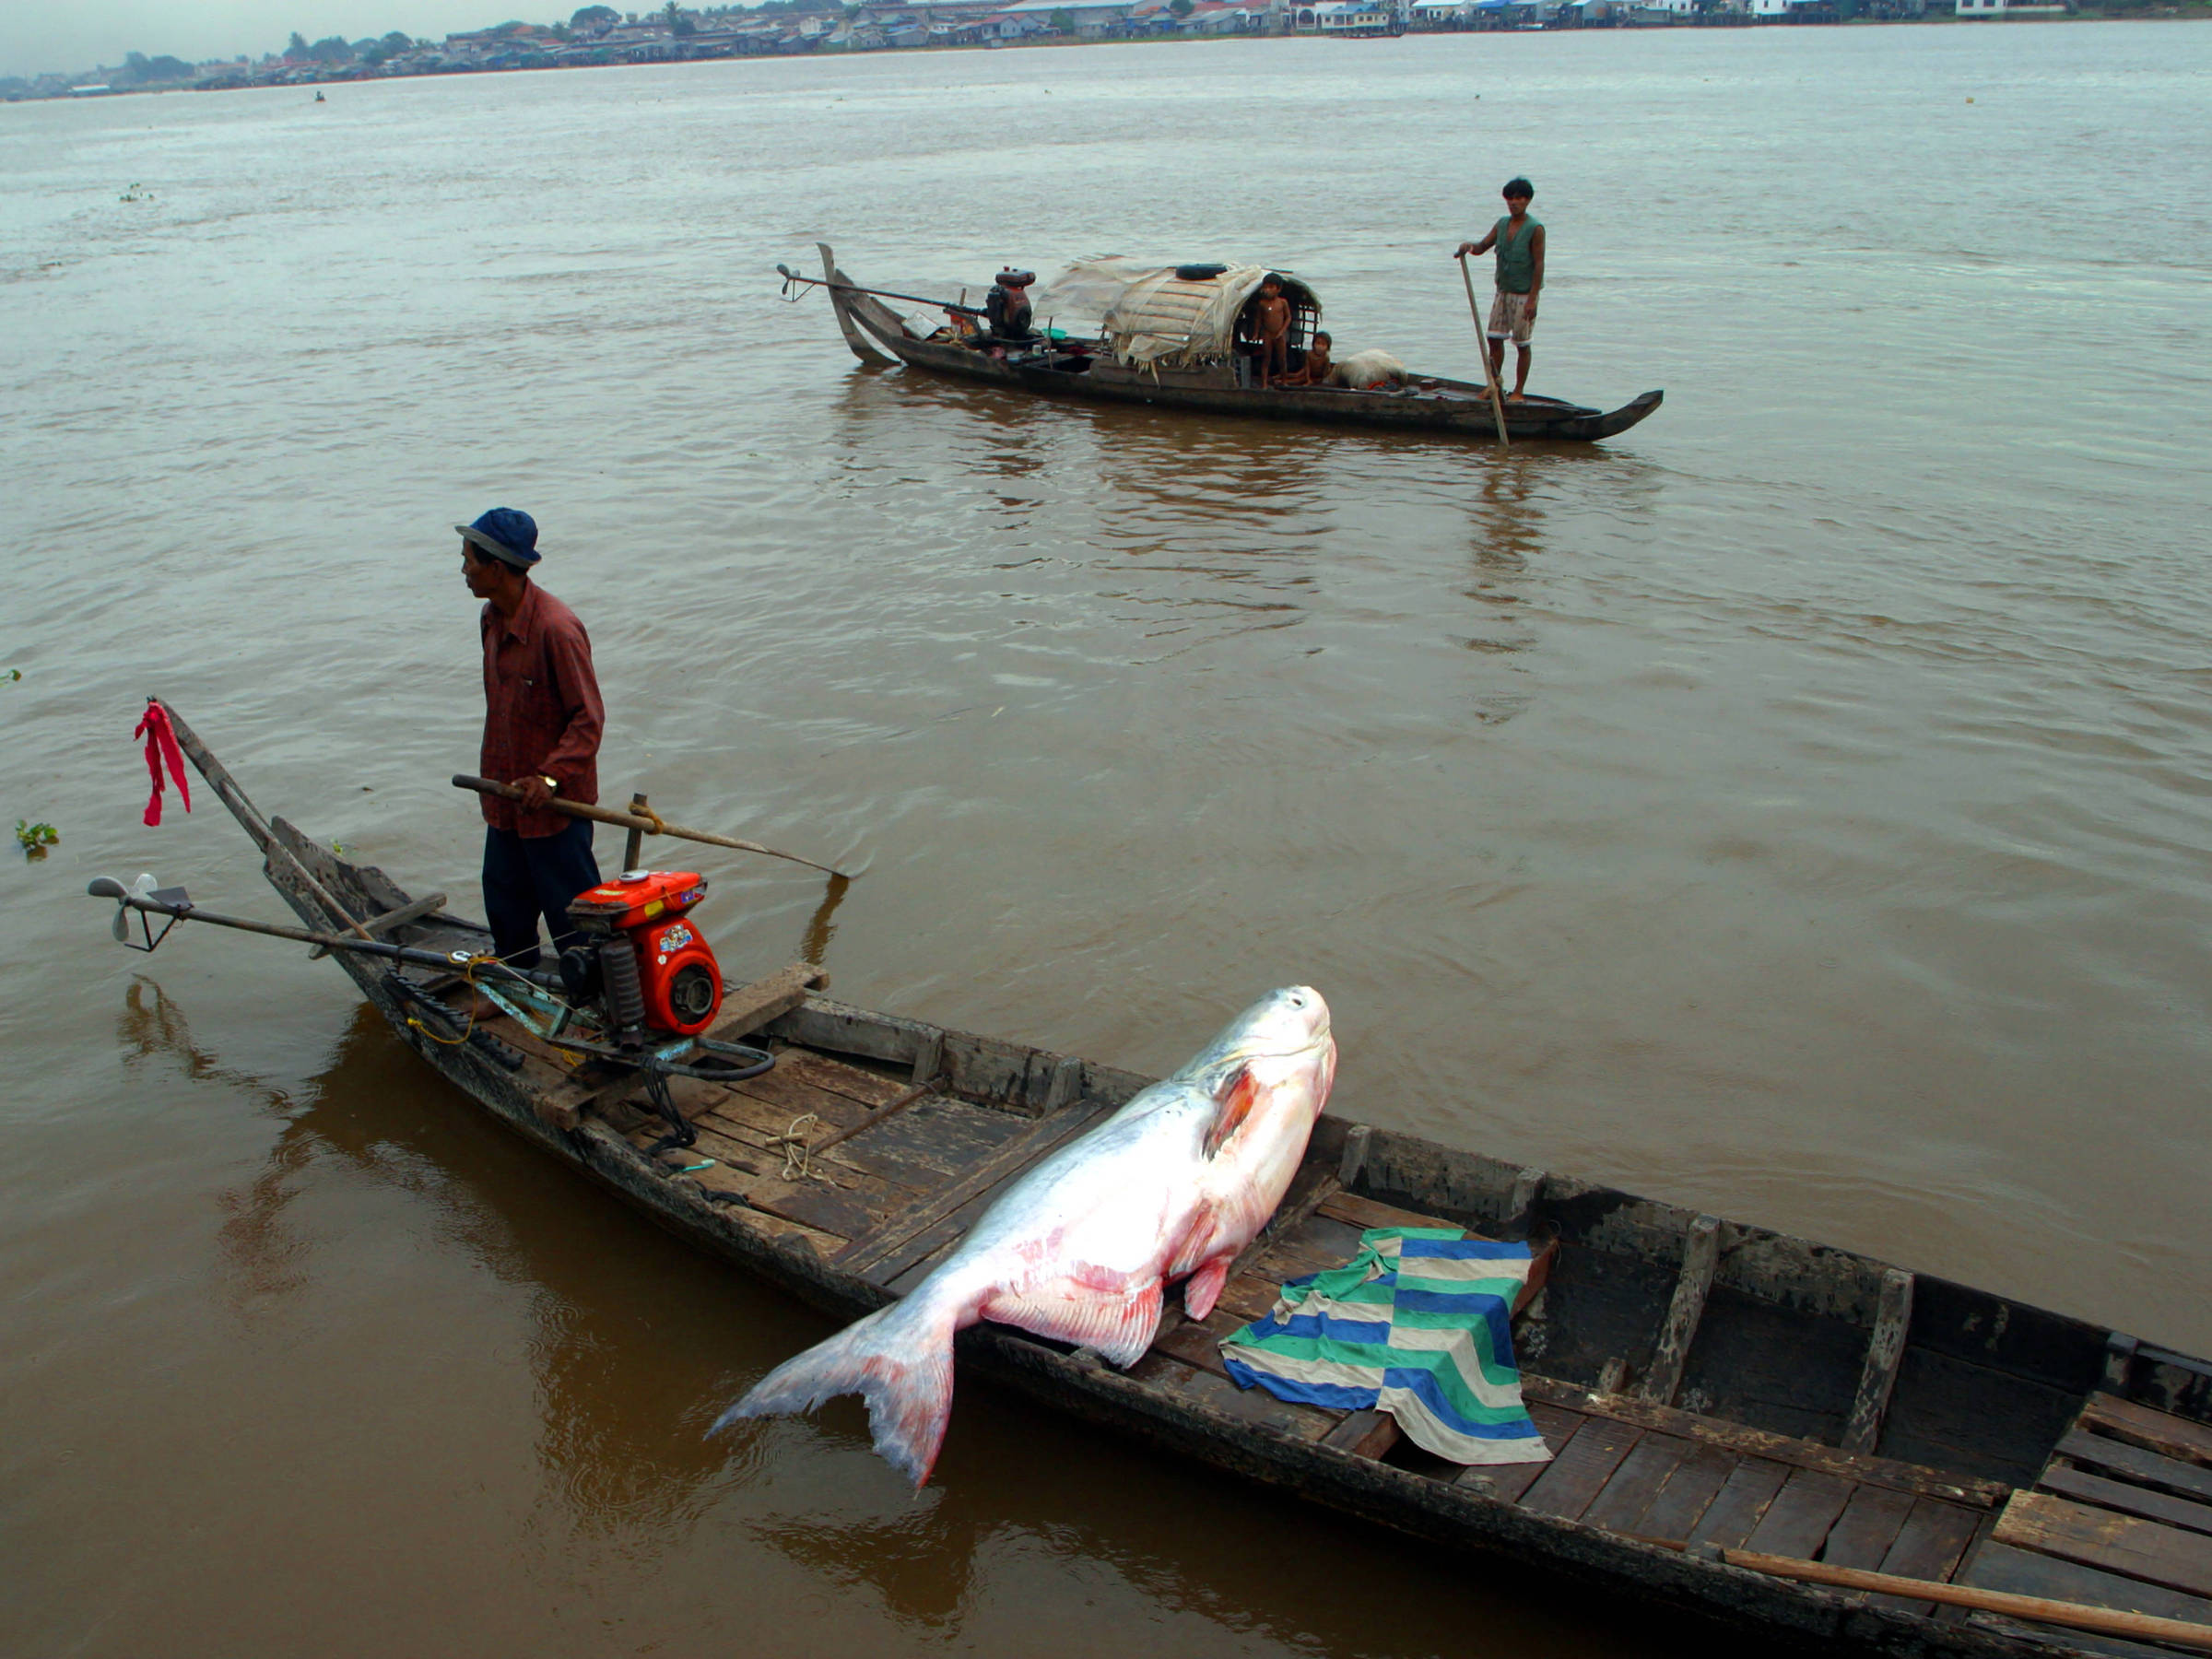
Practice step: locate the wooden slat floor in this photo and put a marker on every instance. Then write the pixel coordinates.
(2120, 1517)
(890, 1201)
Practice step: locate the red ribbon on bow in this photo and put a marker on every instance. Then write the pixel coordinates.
(160, 746)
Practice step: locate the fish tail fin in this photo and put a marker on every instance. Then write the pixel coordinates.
(898, 1359)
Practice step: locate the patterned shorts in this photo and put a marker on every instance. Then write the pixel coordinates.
(1508, 318)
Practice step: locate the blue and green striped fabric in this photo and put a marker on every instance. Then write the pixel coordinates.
(1419, 1324)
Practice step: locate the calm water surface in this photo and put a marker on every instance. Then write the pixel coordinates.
(1797, 807)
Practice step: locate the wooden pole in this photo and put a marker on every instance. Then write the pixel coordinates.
(629, 820)
(2109, 1622)
(1482, 342)
(633, 845)
(226, 790)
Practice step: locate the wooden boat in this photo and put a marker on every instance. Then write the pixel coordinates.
(1707, 1387)
(1203, 373)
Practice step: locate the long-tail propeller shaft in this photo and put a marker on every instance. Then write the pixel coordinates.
(175, 905)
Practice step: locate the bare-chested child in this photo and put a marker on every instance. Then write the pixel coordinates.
(1314, 371)
(1273, 320)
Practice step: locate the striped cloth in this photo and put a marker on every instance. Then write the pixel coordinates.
(1419, 1324)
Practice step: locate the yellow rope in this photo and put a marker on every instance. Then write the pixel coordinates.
(468, 978)
(792, 1143)
(660, 824)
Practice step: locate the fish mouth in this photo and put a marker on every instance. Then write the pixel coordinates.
(1320, 1039)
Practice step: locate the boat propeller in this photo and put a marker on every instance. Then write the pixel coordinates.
(174, 902)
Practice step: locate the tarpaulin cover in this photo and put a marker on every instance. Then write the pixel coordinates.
(1148, 315)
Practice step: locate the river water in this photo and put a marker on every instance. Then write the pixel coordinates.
(1797, 807)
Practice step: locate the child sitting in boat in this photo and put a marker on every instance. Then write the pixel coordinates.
(1314, 371)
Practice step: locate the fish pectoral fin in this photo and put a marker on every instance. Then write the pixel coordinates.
(1233, 1102)
(1120, 1326)
(1203, 1288)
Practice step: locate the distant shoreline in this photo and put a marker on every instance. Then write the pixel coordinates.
(297, 74)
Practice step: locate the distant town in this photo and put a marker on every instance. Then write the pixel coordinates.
(599, 34)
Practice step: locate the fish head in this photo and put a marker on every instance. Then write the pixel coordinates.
(1269, 1073)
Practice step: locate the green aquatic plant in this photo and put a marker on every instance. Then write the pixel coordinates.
(34, 839)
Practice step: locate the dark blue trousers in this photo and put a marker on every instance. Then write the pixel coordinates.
(526, 878)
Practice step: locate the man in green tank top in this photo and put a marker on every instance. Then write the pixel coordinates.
(1519, 244)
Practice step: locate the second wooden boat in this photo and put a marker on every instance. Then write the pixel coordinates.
(1173, 344)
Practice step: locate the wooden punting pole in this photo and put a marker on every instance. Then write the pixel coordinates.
(648, 822)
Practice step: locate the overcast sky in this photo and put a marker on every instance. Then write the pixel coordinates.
(70, 35)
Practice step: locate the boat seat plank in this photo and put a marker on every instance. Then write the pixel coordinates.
(1578, 1472)
(1315, 1245)
(1366, 1433)
(1762, 1444)
(941, 1146)
(750, 1147)
(1870, 1523)
(2128, 1499)
(933, 1141)
(1620, 1506)
(1217, 1393)
(914, 1235)
(2008, 1567)
(1360, 1214)
(1508, 1481)
(1741, 1503)
(1249, 1296)
(776, 1227)
(823, 1208)
(2125, 1545)
(2154, 1430)
(2064, 1643)
(870, 1088)
(1687, 1494)
(771, 1110)
(946, 1140)
(1931, 1544)
(1797, 1521)
(2112, 1457)
(835, 1204)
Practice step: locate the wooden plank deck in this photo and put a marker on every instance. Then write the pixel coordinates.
(2117, 1519)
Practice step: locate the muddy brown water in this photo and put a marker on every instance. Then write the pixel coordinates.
(1797, 807)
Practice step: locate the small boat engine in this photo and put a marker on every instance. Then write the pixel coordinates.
(650, 964)
(1006, 306)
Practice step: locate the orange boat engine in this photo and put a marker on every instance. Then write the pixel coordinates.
(646, 956)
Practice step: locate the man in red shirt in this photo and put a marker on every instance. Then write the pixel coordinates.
(542, 721)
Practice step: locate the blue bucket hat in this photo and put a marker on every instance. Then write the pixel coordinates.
(507, 533)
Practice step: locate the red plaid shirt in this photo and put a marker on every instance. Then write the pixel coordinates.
(542, 711)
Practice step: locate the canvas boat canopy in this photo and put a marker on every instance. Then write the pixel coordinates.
(1149, 316)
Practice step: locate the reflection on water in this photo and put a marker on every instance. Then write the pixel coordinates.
(821, 926)
(619, 1413)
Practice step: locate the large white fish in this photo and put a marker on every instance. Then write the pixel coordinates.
(1079, 1248)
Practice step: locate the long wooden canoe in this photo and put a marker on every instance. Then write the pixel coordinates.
(1426, 403)
(1704, 1385)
